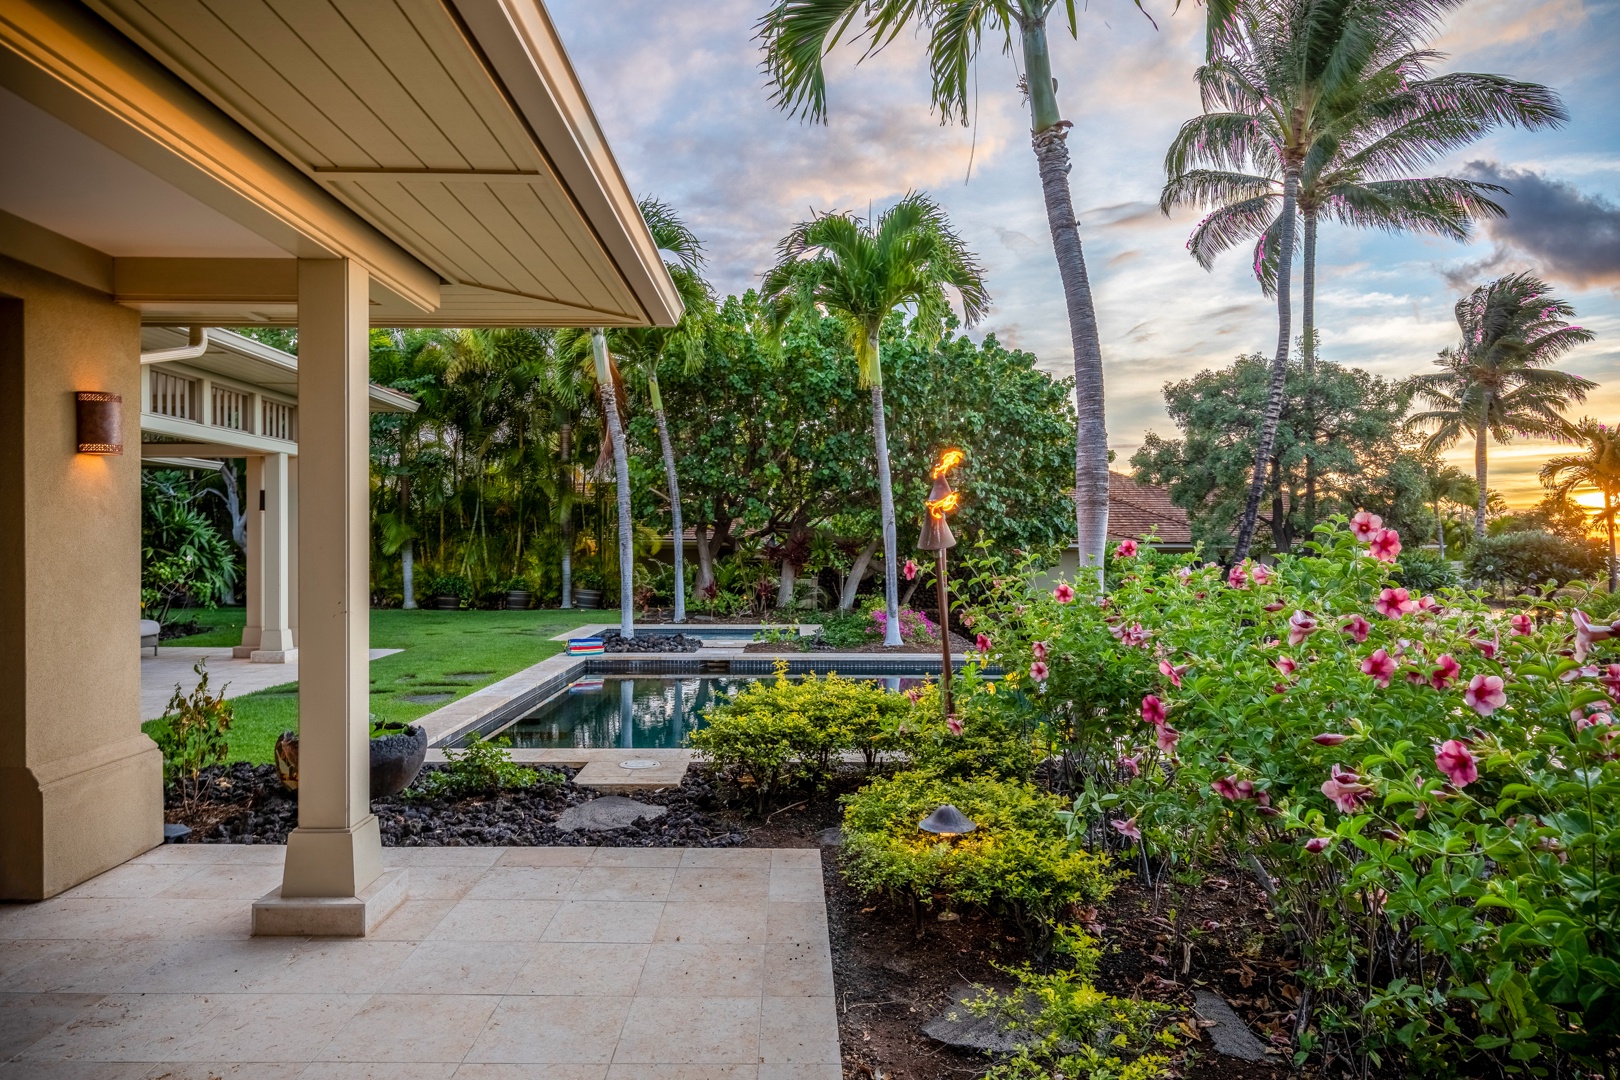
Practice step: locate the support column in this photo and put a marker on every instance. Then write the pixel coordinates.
(292, 549)
(275, 636)
(253, 575)
(333, 882)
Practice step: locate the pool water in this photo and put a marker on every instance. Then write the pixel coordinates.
(629, 712)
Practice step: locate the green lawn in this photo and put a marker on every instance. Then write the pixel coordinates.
(479, 646)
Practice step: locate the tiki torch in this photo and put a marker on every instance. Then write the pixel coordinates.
(936, 537)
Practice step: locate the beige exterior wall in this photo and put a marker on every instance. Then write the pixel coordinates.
(80, 785)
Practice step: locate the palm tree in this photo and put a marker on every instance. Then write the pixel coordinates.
(859, 272)
(412, 361)
(1598, 466)
(798, 34)
(1496, 382)
(608, 387)
(1446, 484)
(647, 348)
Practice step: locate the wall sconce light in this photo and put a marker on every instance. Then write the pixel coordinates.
(100, 422)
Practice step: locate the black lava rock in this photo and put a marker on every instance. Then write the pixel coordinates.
(644, 642)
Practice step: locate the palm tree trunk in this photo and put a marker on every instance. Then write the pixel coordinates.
(1308, 324)
(621, 476)
(407, 550)
(1481, 437)
(857, 573)
(891, 567)
(565, 492)
(1091, 444)
(1440, 528)
(1608, 517)
(676, 526)
(1279, 366)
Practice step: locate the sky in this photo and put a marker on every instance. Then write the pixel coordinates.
(678, 90)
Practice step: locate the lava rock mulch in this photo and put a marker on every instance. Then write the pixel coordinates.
(247, 804)
(645, 642)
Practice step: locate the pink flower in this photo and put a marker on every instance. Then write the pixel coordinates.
(1453, 759)
(1183, 574)
(1588, 633)
(1329, 738)
(1131, 765)
(1346, 790)
(1380, 665)
(1171, 672)
(1364, 526)
(953, 724)
(1301, 625)
(1039, 671)
(1484, 694)
(1153, 710)
(1318, 844)
(1127, 828)
(1131, 636)
(1230, 787)
(1490, 648)
(1522, 625)
(1039, 649)
(1063, 593)
(1611, 679)
(1225, 787)
(1261, 573)
(1238, 577)
(1385, 545)
(968, 620)
(910, 569)
(1168, 737)
(1286, 665)
(1358, 629)
(983, 643)
(1393, 603)
(1445, 672)
(1126, 549)
(1428, 603)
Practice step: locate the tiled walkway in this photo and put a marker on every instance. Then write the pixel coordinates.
(173, 665)
(504, 964)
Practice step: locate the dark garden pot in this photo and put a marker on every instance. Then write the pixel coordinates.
(449, 603)
(395, 760)
(517, 600)
(587, 598)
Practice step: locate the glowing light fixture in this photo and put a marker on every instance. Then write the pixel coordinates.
(947, 821)
(937, 537)
(100, 422)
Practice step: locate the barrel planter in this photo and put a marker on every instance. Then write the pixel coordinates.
(517, 600)
(448, 603)
(587, 598)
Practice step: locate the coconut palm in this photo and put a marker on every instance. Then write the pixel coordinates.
(1496, 382)
(859, 271)
(412, 361)
(1598, 466)
(798, 34)
(647, 347)
(1445, 484)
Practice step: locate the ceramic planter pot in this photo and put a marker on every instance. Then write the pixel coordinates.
(587, 598)
(517, 600)
(395, 760)
(449, 603)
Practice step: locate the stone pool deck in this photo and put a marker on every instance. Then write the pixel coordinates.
(173, 664)
(502, 964)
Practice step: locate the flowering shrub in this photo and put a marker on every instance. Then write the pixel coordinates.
(1424, 786)
(915, 627)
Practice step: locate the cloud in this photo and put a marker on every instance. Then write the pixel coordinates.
(1551, 225)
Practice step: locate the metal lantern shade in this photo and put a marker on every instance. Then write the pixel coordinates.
(936, 531)
(100, 424)
(947, 821)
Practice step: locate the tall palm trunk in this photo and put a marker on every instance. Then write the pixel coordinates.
(676, 526)
(1279, 366)
(1608, 518)
(565, 492)
(1091, 444)
(891, 566)
(1308, 325)
(1439, 528)
(621, 475)
(407, 550)
(1482, 436)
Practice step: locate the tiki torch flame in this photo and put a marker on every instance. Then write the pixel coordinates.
(945, 504)
(949, 460)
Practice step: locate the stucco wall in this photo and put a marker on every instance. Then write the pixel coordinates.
(80, 785)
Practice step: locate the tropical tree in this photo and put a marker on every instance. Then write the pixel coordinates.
(647, 347)
(1446, 484)
(798, 34)
(859, 271)
(1496, 382)
(1597, 466)
(411, 361)
(608, 386)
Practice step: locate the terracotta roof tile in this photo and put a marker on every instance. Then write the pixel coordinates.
(1134, 510)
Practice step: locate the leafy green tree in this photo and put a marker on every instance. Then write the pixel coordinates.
(859, 272)
(411, 361)
(1597, 466)
(1446, 485)
(1496, 382)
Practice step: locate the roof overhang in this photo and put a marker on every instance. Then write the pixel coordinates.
(180, 156)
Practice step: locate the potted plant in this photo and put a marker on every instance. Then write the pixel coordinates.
(518, 595)
(397, 752)
(588, 589)
(450, 591)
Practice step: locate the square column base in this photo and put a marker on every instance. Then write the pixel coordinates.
(330, 916)
(273, 656)
(243, 652)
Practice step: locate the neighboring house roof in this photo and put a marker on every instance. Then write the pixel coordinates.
(1135, 510)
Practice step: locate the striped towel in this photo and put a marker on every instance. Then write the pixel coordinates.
(585, 646)
(584, 686)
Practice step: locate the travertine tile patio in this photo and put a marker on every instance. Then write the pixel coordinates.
(503, 964)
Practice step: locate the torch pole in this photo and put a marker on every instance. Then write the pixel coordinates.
(944, 640)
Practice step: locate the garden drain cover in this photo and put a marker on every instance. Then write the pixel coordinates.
(640, 763)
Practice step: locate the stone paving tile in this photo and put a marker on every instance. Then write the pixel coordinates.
(798, 1031)
(75, 1070)
(496, 920)
(624, 922)
(226, 1070)
(379, 1070)
(546, 856)
(557, 1071)
(703, 970)
(269, 1027)
(461, 967)
(552, 1029)
(582, 968)
(622, 883)
(27, 1018)
(695, 1030)
(732, 884)
(608, 856)
(412, 1028)
(503, 882)
(716, 922)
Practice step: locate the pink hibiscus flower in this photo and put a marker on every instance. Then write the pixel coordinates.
(1453, 759)
(1428, 603)
(1064, 593)
(1153, 710)
(1126, 549)
(983, 643)
(1131, 636)
(1380, 665)
(1358, 628)
(1393, 603)
(1385, 546)
(1346, 790)
(1183, 574)
(1485, 694)
(1364, 526)
(1238, 577)
(1489, 648)
(1610, 678)
(910, 569)
(1301, 625)
(1127, 828)
(1445, 672)
(1588, 633)
(1039, 671)
(1039, 649)
(1522, 625)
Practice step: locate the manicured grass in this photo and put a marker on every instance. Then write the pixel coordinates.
(225, 621)
(481, 646)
